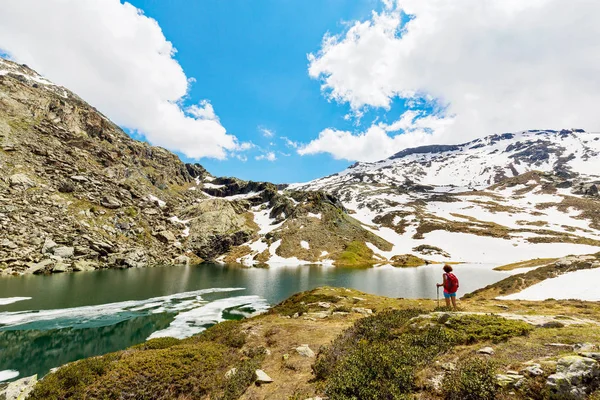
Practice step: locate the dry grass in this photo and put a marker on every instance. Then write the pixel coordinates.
(526, 264)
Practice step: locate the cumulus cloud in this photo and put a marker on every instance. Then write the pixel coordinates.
(269, 156)
(375, 143)
(482, 67)
(119, 60)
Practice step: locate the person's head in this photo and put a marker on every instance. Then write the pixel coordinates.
(447, 268)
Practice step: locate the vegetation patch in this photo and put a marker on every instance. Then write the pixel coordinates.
(300, 303)
(473, 379)
(408, 260)
(164, 368)
(473, 328)
(355, 254)
(526, 264)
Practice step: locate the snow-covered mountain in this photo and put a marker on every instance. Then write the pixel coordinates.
(502, 198)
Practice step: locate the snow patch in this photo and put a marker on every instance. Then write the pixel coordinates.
(305, 244)
(10, 300)
(8, 374)
(581, 285)
(317, 216)
(156, 200)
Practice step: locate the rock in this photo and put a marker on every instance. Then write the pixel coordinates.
(48, 246)
(79, 178)
(83, 265)
(60, 267)
(358, 299)
(305, 351)
(361, 310)
(509, 379)
(442, 319)
(64, 251)
(448, 366)
(230, 373)
(533, 370)
(551, 324)
(135, 259)
(181, 260)
(589, 354)
(20, 181)
(486, 350)
(262, 377)
(38, 268)
(110, 202)
(584, 347)
(575, 377)
(324, 304)
(20, 389)
(166, 236)
(9, 244)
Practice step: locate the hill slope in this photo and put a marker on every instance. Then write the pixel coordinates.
(502, 198)
(77, 193)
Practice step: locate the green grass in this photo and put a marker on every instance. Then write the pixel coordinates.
(355, 254)
(468, 329)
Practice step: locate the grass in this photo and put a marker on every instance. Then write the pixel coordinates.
(301, 302)
(355, 254)
(526, 264)
(408, 260)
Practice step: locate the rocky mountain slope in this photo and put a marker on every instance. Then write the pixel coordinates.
(502, 198)
(77, 193)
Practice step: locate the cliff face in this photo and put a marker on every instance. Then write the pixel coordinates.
(77, 193)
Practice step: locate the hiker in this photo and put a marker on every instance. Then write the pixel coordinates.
(450, 286)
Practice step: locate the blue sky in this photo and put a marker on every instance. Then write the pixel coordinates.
(377, 81)
(249, 58)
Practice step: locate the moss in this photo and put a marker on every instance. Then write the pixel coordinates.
(473, 379)
(469, 329)
(355, 254)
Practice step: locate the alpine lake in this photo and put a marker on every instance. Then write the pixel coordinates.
(48, 321)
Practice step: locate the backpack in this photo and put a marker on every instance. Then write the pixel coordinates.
(451, 283)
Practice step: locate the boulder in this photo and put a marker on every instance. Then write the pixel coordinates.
(575, 377)
(361, 310)
(181, 260)
(21, 181)
(509, 379)
(64, 251)
(40, 267)
(305, 351)
(533, 370)
(110, 202)
(83, 265)
(486, 350)
(262, 377)
(19, 389)
(48, 246)
(551, 324)
(60, 267)
(166, 237)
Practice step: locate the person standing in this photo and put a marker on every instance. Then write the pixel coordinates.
(450, 285)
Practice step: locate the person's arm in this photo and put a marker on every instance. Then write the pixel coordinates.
(442, 284)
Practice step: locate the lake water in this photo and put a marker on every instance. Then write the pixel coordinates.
(56, 319)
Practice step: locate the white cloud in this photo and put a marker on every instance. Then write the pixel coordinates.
(290, 143)
(266, 132)
(204, 110)
(119, 60)
(375, 143)
(269, 156)
(490, 66)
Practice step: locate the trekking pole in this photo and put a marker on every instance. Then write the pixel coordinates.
(438, 296)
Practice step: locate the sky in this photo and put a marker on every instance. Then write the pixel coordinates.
(288, 91)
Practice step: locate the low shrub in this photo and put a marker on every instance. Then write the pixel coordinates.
(298, 303)
(158, 343)
(470, 329)
(473, 379)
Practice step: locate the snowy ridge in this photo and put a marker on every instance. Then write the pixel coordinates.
(500, 199)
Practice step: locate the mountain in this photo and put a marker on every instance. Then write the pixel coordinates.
(77, 193)
(502, 198)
